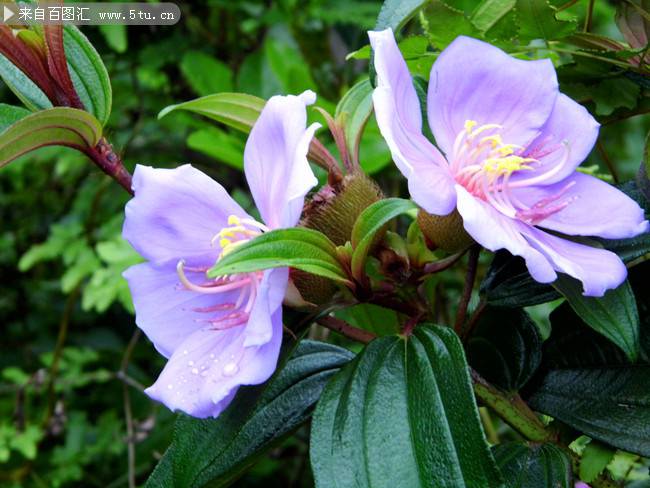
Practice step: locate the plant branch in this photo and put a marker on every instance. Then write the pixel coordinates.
(342, 327)
(442, 264)
(128, 414)
(608, 161)
(472, 267)
(512, 409)
(110, 163)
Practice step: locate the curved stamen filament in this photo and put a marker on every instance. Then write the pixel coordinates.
(212, 288)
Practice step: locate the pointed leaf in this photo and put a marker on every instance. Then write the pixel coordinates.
(300, 248)
(354, 110)
(396, 13)
(60, 126)
(10, 114)
(614, 315)
(594, 460)
(236, 110)
(370, 223)
(402, 414)
(215, 452)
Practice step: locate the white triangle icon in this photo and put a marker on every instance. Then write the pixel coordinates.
(8, 13)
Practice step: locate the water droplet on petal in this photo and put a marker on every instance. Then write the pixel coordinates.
(170, 386)
(230, 369)
(195, 371)
(190, 363)
(185, 352)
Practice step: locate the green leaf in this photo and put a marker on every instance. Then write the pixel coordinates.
(24, 88)
(206, 74)
(215, 452)
(488, 12)
(402, 414)
(10, 114)
(60, 126)
(506, 348)
(537, 20)
(115, 36)
(88, 73)
(509, 284)
(219, 145)
(534, 466)
(236, 110)
(300, 248)
(396, 13)
(594, 460)
(614, 315)
(445, 23)
(354, 110)
(370, 223)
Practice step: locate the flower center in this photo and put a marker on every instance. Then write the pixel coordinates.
(235, 312)
(483, 164)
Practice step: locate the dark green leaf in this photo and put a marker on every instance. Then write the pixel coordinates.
(10, 114)
(535, 466)
(215, 452)
(396, 13)
(506, 348)
(88, 73)
(60, 126)
(509, 284)
(614, 315)
(445, 23)
(594, 460)
(236, 110)
(402, 414)
(300, 248)
(370, 223)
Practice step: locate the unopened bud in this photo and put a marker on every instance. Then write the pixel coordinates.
(446, 232)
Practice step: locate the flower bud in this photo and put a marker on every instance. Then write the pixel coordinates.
(334, 211)
(446, 232)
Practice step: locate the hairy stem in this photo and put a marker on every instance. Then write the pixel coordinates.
(110, 163)
(512, 409)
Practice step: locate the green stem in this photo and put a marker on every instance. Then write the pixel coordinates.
(512, 409)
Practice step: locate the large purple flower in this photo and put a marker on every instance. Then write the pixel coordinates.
(510, 146)
(223, 333)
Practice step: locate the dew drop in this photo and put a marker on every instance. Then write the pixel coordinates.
(195, 371)
(170, 386)
(185, 352)
(230, 369)
(190, 363)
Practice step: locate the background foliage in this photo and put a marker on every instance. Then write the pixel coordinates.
(73, 366)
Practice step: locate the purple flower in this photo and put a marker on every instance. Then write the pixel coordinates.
(580, 484)
(509, 147)
(219, 333)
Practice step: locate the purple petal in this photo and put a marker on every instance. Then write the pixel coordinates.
(164, 310)
(275, 159)
(204, 373)
(565, 141)
(598, 270)
(175, 214)
(472, 80)
(595, 208)
(270, 294)
(398, 113)
(495, 231)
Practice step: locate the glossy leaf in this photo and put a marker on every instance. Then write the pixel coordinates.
(236, 110)
(445, 23)
(614, 315)
(534, 466)
(396, 13)
(509, 284)
(402, 414)
(506, 348)
(10, 114)
(88, 73)
(488, 12)
(353, 111)
(300, 248)
(206, 74)
(58, 126)
(215, 452)
(371, 221)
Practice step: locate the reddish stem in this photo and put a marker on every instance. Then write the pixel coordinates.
(472, 266)
(342, 327)
(110, 163)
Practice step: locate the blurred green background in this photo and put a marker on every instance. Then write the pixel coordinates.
(72, 366)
